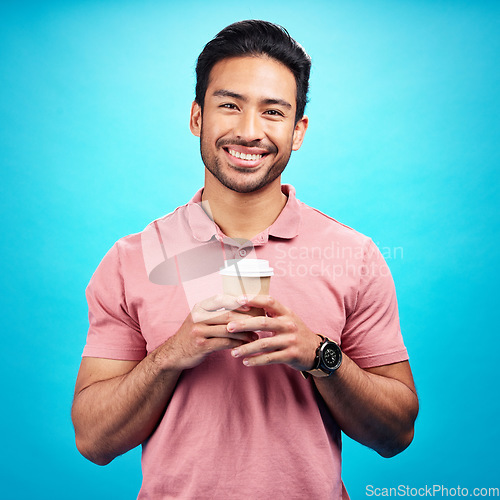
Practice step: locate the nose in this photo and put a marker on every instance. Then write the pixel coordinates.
(249, 127)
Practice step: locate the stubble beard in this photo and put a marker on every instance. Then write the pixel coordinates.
(245, 180)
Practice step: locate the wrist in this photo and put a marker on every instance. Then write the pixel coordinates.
(165, 359)
(327, 360)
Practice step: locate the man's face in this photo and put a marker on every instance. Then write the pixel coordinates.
(247, 128)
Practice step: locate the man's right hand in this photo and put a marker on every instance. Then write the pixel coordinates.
(118, 404)
(203, 332)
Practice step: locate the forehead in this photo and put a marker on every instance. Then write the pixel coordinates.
(255, 77)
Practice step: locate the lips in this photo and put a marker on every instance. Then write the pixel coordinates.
(243, 156)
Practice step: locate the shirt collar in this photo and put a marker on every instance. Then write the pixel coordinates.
(202, 226)
(285, 226)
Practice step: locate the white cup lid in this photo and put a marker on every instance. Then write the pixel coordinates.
(247, 267)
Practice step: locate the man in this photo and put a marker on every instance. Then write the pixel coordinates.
(226, 404)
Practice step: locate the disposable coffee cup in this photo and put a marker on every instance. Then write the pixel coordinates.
(247, 277)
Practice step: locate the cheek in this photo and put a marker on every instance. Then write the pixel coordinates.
(217, 130)
(283, 139)
(208, 134)
(205, 144)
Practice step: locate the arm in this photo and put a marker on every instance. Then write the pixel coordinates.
(376, 407)
(118, 404)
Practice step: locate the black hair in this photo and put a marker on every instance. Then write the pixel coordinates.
(254, 38)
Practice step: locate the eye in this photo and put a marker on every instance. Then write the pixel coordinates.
(228, 105)
(274, 112)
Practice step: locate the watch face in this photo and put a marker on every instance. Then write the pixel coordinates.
(331, 357)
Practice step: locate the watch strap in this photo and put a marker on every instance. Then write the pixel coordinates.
(315, 371)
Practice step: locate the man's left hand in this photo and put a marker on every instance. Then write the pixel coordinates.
(291, 342)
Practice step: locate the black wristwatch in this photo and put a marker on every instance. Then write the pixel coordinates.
(328, 359)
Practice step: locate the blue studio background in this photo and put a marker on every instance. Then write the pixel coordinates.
(402, 145)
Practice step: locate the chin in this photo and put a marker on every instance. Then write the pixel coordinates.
(241, 180)
(244, 187)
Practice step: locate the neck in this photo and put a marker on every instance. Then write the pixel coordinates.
(243, 215)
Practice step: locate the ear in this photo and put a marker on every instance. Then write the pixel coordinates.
(299, 132)
(195, 119)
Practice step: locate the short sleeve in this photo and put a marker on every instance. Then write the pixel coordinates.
(372, 334)
(113, 333)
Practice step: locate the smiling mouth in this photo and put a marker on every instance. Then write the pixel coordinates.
(244, 156)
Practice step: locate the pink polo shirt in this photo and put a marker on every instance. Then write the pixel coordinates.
(229, 431)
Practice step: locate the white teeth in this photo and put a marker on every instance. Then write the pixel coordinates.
(244, 156)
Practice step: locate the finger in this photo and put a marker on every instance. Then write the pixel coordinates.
(220, 344)
(200, 315)
(266, 302)
(221, 317)
(244, 337)
(264, 345)
(281, 324)
(270, 358)
(220, 331)
(220, 301)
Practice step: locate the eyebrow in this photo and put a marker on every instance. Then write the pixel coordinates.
(267, 101)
